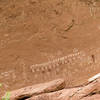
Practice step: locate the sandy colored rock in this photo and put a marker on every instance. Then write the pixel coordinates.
(55, 90)
(38, 31)
(38, 89)
(94, 97)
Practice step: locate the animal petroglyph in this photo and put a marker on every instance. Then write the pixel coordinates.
(78, 58)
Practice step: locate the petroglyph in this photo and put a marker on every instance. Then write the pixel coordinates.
(6, 75)
(79, 58)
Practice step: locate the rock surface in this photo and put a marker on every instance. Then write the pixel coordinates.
(37, 89)
(56, 90)
(36, 32)
(44, 40)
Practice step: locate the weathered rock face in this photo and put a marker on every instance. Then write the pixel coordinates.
(55, 90)
(38, 89)
(42, 40)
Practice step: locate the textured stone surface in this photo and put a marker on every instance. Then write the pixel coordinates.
(37, 89)
(42, 33)
(55, 90)
(85, 92)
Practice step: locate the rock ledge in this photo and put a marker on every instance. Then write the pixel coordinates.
(56, 90)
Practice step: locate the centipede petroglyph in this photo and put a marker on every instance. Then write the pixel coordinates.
(66, 66)
(56, 63)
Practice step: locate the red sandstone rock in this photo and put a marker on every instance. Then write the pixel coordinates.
(94, 97)
(55, 90)
(37, 89)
